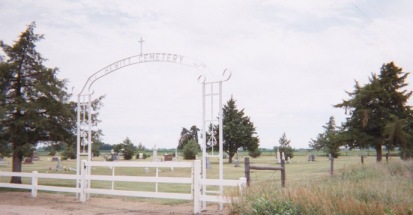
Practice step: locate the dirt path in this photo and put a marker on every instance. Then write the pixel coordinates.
(21, 203)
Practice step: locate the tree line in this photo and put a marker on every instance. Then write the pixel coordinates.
(35, 107)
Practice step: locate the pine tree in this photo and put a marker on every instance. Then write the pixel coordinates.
(239, 131)
(34, 105)
(328, 141)
(372, 106)
(126, 147)
(284, 146)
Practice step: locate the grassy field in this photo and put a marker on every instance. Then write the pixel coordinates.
(298, 169)
(370, 188)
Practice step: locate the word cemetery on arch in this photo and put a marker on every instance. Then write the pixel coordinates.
(144, 58)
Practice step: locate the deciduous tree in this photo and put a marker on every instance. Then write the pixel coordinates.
(187, 135)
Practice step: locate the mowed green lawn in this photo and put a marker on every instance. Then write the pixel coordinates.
(298, 169)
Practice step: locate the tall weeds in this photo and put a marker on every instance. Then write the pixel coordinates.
(371, 189)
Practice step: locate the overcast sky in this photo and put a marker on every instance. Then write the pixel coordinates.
(291, 61)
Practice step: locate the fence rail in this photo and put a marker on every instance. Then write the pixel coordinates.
(34, 186)
(84, 190)
(248, 167)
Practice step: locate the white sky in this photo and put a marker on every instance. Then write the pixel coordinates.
(290, 60)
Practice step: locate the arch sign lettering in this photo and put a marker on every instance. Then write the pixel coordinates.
(210, 90)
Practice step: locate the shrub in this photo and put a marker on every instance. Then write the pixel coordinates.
(52, 152)
(144, 155)
(69, 152)
(254, 153)
(126, 148)
(273, 206)
(190, 150)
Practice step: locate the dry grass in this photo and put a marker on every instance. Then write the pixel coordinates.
(370, 189)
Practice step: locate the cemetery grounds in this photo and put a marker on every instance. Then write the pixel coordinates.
(21, 202)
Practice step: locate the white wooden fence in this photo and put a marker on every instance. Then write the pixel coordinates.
(84, 191)
(34, 186)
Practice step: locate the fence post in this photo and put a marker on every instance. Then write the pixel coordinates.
(197, 186)
(242, 184)
(156, 178)
(362, 159)
(247, 169)
(331, 165)
(113, 175)
(34, 184)
(83, 181)
(283, 173)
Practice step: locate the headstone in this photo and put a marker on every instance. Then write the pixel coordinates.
(236, 161)
(146, 170)
(288, 159)
(114, 156)
(282, 156)
(278, 156)
(120, 156)
(35, 156)
(59, 165)
(2, 161)
(311, 157)
(155, 154)
(140, 155)
(167, 157)
(28, 160)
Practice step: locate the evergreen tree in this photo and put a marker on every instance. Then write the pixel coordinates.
(34, 105)
(126, 147)
(187, 135)
(396, 135)
(239, 131)
(372, 106)
(328, 141)
(190, 150)
(285, 146)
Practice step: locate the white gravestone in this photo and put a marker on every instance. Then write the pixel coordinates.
(278, 156)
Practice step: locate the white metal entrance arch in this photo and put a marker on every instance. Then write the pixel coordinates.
(210, 89)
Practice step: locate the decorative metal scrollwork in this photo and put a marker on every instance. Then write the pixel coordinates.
(226, 75)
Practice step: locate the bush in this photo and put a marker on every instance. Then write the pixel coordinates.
(126, 148)
(274, 206)
(52, 152)
(128, 153)
(190, 150)
(254, 153)
(69, 152)
(144, 154)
